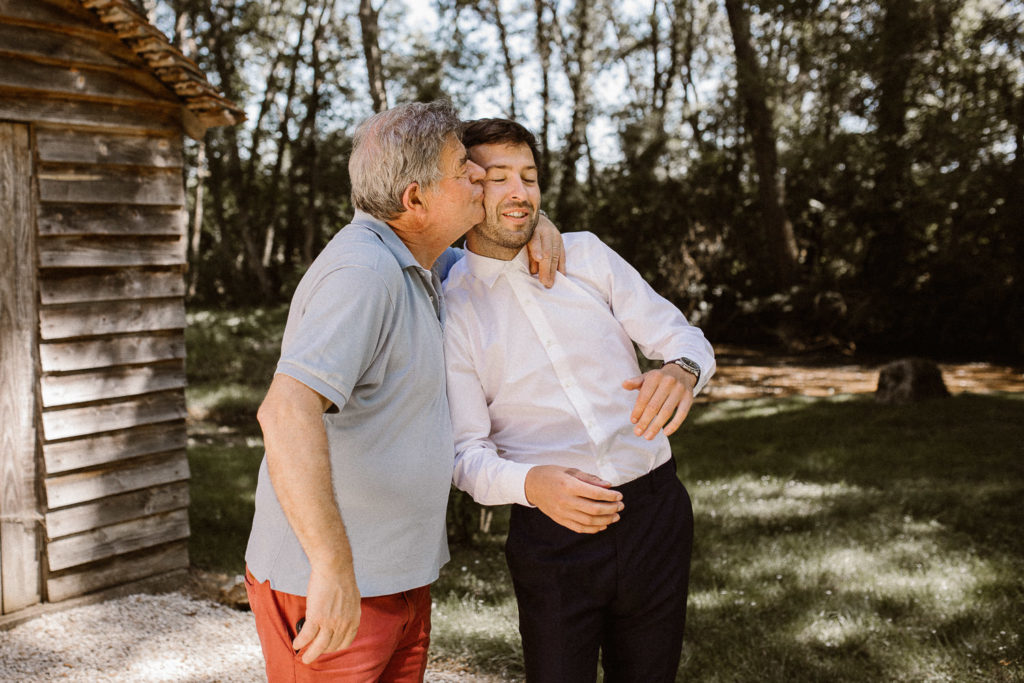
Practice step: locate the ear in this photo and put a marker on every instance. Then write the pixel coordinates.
(413, 199)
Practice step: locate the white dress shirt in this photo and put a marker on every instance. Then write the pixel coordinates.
(535, 375)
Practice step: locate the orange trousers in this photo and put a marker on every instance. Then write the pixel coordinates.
(390, 646)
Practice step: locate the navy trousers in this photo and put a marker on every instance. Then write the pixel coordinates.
(621, 591)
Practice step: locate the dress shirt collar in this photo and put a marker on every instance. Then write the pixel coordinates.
(394, 244)
(487, 269)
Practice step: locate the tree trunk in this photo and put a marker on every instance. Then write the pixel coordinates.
(779, 239)
(579, 64)
(506, 53)
(285, 145)
(311, 220)
(371, 51)
(543, 44)
(224, 60)
(888, 247)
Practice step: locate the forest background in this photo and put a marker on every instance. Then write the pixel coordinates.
(838, 175)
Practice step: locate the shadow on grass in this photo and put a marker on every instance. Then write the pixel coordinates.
(836, 540)
(847, 541)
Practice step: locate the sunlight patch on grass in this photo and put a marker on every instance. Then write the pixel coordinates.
(766, 499)
(213, 401)
(750, 408)
(840, 630)
(471, 631)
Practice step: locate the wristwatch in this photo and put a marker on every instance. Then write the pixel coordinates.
(686, 364)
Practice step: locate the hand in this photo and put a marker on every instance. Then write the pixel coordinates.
(576, 500)
(662, 392)
(332, 614)
(546, 251)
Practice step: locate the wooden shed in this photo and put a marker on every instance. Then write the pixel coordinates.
(94, 103)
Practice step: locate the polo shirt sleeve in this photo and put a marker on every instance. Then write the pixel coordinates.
(341, 328)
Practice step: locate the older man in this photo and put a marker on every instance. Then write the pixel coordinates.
(349, 529)
(541, 391)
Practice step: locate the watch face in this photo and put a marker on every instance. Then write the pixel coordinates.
(689, 366)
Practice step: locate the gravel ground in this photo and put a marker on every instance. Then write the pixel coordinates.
(141, 638)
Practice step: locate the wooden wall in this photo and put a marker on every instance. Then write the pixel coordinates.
(110, 247)
(19, 509)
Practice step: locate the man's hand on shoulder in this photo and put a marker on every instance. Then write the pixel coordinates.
(577, 500)
(332, 613)
(546, 251)
(665, 399)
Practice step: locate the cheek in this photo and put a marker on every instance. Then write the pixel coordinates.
(494, 196)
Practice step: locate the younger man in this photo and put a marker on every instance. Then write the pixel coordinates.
(540, 396)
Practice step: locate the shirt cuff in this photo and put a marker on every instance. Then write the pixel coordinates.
(515, 482)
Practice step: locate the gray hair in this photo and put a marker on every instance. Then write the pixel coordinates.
(397, 147)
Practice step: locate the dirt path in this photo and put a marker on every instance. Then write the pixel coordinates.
(744, 373)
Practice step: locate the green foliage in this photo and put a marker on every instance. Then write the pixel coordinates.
(237, 346)
(898, 131)
(223, 488)
(231, 359)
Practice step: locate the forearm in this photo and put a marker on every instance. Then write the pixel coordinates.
(489, 478)
(298, 461)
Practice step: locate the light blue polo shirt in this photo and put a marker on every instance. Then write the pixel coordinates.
(365, 331)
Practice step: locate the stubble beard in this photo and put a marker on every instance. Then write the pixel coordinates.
(507, 239)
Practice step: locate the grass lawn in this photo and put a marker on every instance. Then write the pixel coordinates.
(836, 539)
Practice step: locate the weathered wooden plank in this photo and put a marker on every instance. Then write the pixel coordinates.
(162, 119)
(49, 11)
(117, 539)
(70, 146)
(111, 285)
(94, 319)
(100, 252)
(116, 509)
(66, 423)
(116, 571)
(104, 219)
(19, 562)
(103, 353)
(54, 45)
(83, 81)
(110, 383)
(108, 449)
(110, 185)
(83, 487)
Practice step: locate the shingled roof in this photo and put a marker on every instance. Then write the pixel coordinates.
(173, 68)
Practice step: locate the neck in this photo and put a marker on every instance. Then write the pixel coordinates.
(419, 243)
(484, 247)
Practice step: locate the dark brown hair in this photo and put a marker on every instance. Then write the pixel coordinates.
(500, 132)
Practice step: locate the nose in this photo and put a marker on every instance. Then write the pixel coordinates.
(517, 189)
(476, 172)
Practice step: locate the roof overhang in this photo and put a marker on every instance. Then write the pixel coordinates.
(203, 106)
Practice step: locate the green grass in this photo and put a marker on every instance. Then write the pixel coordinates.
(231, 358)
(841, 540)
(836, 539)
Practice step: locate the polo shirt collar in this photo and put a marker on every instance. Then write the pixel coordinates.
(394, 244)
(488, 269)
